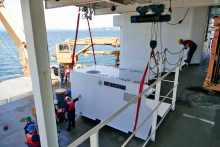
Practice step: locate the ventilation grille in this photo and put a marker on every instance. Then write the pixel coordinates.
(93, 72)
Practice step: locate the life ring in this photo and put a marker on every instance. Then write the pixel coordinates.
(78, 66)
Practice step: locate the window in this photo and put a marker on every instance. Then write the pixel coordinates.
(66, 47)
(71, 47)
(63, 47)
(60, 47)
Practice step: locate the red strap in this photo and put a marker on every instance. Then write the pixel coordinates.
(141, 89)
(77, 27)
(152, 53)
(91, 39)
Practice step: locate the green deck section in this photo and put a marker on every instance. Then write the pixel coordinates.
(198, 126)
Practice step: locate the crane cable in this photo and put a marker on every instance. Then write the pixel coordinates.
(91, 40)
(74, 49)
(8, 49)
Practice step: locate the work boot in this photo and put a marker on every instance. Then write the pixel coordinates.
(187, 61)
(67, 129)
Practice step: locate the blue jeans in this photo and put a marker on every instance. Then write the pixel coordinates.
(191, 52)
(62, 79)
(71, 119)
(67, 78)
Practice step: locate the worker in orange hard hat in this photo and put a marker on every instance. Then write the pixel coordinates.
(192, 48)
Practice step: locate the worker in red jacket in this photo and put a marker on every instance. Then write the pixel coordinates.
(70, 111)
(33, 139)
(192, 48)
(61, 115)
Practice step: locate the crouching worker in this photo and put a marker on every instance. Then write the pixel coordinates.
(192, 48)
(33, 139)
(61, 115)
(70, 112)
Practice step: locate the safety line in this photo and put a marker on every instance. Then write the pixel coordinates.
(77, 27)
(8, 50)
(91, 40)
(8, 46)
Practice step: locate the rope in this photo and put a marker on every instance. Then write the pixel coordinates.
(9, 47)
(8, 51)
(175, 53)
(200, 103)
(77, 27)
(8, 60)
(91, 40)
(183, 102)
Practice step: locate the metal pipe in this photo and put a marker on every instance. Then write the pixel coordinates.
(163, 96)
(148, 73)
(164, 59)
(165, 80)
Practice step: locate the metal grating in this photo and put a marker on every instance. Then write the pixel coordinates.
(93, 72)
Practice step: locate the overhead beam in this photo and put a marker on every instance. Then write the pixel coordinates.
(62, 3)
(175, 4)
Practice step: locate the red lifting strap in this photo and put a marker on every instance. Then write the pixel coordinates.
(91, 40)
(77, 27)
(141, 89)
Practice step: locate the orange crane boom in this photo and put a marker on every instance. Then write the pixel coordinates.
(17, 36)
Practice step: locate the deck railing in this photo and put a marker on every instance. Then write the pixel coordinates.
(93, 133)
(53, 51)
(164, 61)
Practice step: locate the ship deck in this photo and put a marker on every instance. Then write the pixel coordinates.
(184, 127)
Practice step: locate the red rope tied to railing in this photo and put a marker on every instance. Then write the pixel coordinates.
(77, 27)
(91, 40)
(141, 89)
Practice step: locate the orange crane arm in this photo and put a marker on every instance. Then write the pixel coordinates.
(17, 36)
(97, 41)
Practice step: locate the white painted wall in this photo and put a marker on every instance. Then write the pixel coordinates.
(135, 38)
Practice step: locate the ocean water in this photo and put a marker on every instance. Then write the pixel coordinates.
(10, 66)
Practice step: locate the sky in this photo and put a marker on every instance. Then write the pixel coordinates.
(58, 18)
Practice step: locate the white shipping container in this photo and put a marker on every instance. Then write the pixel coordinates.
(105, 90)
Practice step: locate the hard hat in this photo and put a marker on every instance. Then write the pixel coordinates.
(67, 97)
(28, 118)
(30, 127)
(69, 91)
(179, 41)
(55, 102)
(67, 66)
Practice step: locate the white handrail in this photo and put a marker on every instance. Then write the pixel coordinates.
(158, 124)
(102, 124)
(125, 143)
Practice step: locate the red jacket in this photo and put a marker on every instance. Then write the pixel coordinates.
(30, 142)
(71, 105)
